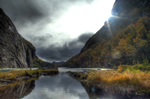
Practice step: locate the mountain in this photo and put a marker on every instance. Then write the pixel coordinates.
(124, 39)
(58, 63)
(15, 51)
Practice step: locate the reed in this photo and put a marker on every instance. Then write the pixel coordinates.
(139, 79)
(17, 73)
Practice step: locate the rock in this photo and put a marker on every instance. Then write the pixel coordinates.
(14, 49)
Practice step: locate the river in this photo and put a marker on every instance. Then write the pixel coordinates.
(59, 86)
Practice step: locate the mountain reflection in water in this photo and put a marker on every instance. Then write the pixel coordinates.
(60, 87)
(16, 90)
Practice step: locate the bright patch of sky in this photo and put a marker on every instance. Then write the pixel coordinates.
(72, 22)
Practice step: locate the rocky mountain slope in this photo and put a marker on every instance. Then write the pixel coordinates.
(124, 39)
(15, 51)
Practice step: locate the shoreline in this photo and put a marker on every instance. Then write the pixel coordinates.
(109, 85)
(13, 76)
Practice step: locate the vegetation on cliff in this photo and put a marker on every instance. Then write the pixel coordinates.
(124, 39)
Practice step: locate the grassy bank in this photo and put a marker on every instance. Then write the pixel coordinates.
(124, 76)
(13, 74)
(18, 73)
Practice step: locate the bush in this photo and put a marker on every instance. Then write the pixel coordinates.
(145, 62)
(122, 68)
(141, 67)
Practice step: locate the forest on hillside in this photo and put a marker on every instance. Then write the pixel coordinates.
(124, 39)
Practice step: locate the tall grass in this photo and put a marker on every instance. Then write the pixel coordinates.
(17, 73)
(137, 78)
(112, 77)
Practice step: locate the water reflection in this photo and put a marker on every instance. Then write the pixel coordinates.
(16, 90)
(60, 87)
(65, 69)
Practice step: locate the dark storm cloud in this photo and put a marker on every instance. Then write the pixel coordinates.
(66, 51)
(82, 39)
(42, 38)
(57, 53)
(23, 11)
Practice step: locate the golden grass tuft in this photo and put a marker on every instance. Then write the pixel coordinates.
(17, 73)
(137, 78)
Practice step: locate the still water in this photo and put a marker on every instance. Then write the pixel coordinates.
(59, 86)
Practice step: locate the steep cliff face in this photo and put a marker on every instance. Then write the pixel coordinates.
(15, 51)
(124, 39)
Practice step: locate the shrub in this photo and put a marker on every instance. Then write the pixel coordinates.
(122, 68)
(145, 62)
(142, 67)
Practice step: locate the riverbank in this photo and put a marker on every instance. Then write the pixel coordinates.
(127, 81)
(18, 75)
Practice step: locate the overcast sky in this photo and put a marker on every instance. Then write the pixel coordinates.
(57, 28)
